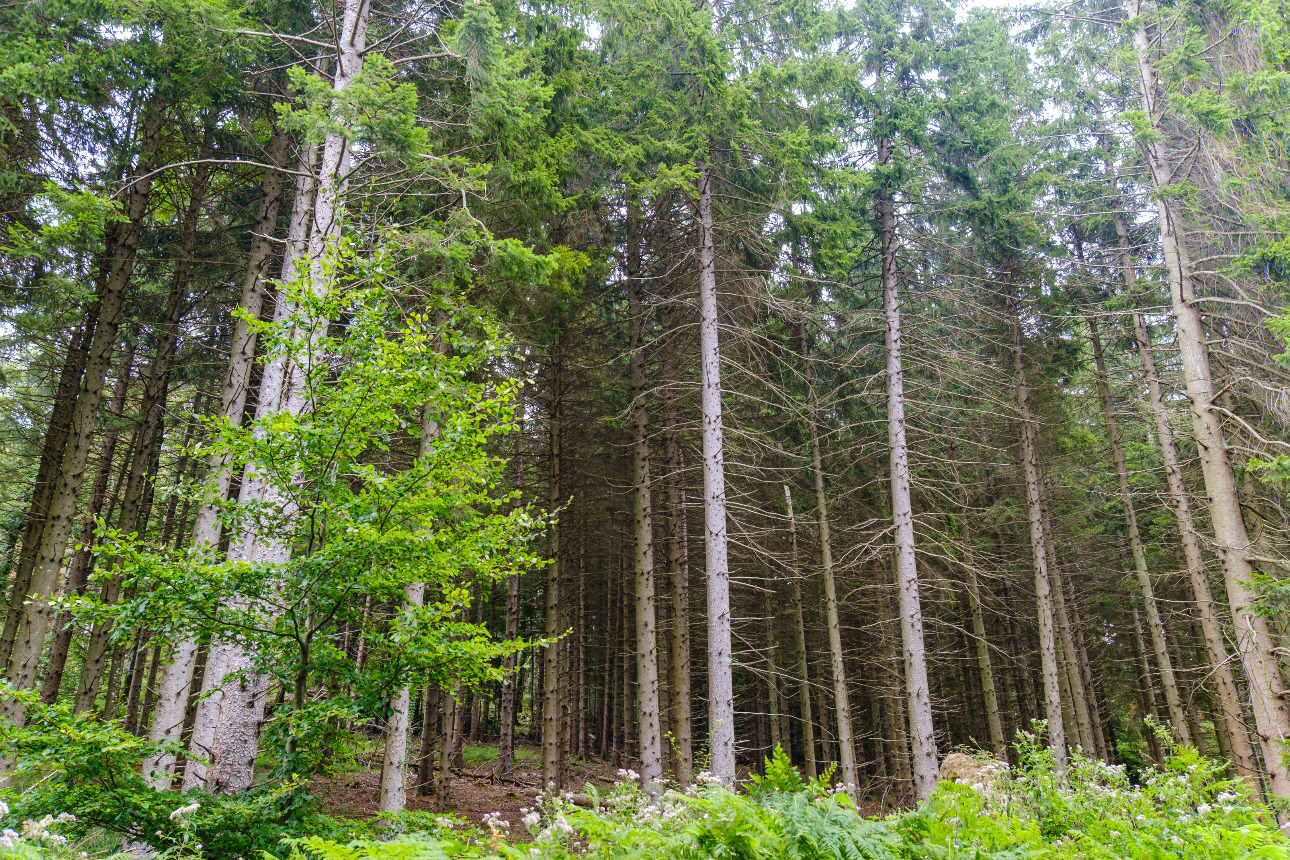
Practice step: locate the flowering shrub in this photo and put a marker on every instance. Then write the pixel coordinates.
(1185, 810)
(38, 839)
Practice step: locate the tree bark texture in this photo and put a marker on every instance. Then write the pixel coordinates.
(1255, 644)
(721, 693)
(922, 733)
(647, 696)
(1035, 515)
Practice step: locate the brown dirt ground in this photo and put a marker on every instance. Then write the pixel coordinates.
(478, 791)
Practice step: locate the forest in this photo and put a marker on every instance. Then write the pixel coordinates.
(644, 428)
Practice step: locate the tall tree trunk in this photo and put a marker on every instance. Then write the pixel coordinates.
(841, 699)
(648, 719)
(799, 625)
(1091, 686)
(1229, 698)
(394, 769)
(236, 713)
(774, 706)
(1154, 623)
(38, 612)
(176, 685)
(922, 733)
(506, 729)
(1253, 638)
(1083, 724)
(1035, 515)
(980, 642)
(83, 562)
(551, 656)
(153, 407)
(1146, 690)
(678, 563)
(51, 456)
(721, 693)
(455, 716)
(430, 731)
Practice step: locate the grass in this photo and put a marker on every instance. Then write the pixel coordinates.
(478, 754)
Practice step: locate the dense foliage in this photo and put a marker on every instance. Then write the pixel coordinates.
(719, 390)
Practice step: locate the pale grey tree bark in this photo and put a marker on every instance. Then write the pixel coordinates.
(177, 678)
(922, 733)
(647, 696)
(1254, 640)
(1220, 668)
(721, 693)
(841, 697)
(393, 795)
(678, 563)
(1035, 517)
(232, 718)
(1154, 623)
(799, 628)
(980, 642)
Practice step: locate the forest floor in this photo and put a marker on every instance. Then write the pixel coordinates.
(477, 790)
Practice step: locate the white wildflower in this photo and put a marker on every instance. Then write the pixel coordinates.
(184, 810)
(1204, 809)
(444, 822)
(531, 820)
(7, 842)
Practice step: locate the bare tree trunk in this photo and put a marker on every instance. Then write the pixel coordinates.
(551, 656)
(1034, 508)
(799, 624)
(238, 710)
(1229, 698)
(1147, 691)
(177, 679)
(430, 731)
(452, 737)
(980, 642)
(149, 437)
(721, 694)
(1083, 724)
(1091, 687)
(841, 699)
(651, 733)
(1154, 624)
(506, 729)
(774, 707)
(1253, 638)
(922, 734)
(678, 548)
(394, 769)
(30, 640)
(83, 562)
(51, 455)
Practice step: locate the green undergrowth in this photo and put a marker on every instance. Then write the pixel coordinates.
(77, 794)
